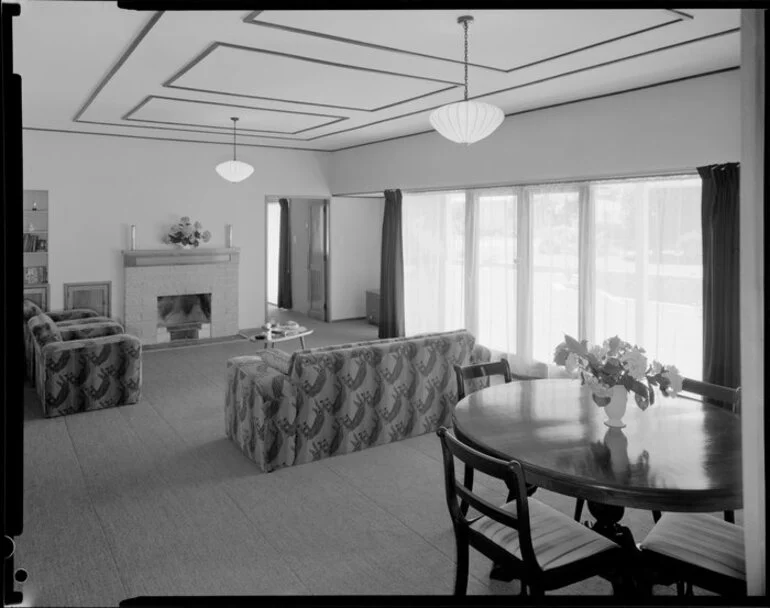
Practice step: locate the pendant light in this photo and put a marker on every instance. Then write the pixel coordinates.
(466, 122)
(234, 170)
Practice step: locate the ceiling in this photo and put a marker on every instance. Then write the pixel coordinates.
(330, 80)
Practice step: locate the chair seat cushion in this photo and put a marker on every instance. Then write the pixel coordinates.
(701, 540)
(558, 540)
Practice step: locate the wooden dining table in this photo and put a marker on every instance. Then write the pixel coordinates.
(677, 455)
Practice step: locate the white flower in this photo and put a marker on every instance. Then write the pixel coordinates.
(198, 225)
(598, 351)
(675, 378)
(184, 220)
(656, 368)
(572, 364)
(636, 364)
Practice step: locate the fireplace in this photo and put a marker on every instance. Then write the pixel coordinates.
(184, 317)
(210, 275)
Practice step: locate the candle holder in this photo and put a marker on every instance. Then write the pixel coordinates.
(228, 235)
(132, 241)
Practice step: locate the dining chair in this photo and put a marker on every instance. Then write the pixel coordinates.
(545, 548)
(720, 396)
(700, 549)
(474, 372)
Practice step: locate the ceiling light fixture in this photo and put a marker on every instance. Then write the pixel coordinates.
(234, 170)
(466, 122)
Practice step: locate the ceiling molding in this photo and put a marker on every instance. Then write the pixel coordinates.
(250, 19)
(226, 129)
(562, 103)
(215, 45)
(541, 80)
(184, 141)
(119, 63)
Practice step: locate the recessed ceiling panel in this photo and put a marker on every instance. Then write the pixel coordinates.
(260, 73)
(193, 113)
(499, 39)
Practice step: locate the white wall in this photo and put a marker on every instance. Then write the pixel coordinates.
(99, 186)
(670, 127)
(354, 259)
(752, 302)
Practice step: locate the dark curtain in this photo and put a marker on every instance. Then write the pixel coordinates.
(284, 257)
(392, 269)
(721, 271)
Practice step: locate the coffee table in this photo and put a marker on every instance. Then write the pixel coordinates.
(271, 339)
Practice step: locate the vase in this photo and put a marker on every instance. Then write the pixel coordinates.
(617, 443)
(616, 407)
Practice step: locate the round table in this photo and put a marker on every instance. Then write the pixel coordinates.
(678, 455)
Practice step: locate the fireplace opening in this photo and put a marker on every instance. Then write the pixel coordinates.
(184, 317)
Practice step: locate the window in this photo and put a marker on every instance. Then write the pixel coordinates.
(521, 266)
(433, 229)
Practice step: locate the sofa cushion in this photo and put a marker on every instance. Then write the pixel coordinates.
(89, 330)
(44, 330)
(276, 358)
(31, 310)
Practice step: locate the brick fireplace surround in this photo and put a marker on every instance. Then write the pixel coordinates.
(167, 272)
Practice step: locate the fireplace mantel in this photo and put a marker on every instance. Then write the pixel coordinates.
(176, 257)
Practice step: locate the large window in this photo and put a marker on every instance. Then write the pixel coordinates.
(521, 266)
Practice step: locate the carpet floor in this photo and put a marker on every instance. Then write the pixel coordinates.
(153, 499)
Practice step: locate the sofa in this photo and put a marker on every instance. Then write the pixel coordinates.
(83, 367)
(62, 318)
(286, 410)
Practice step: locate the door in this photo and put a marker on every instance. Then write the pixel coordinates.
(318, 257)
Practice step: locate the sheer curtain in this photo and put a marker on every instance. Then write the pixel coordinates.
(434, 270)
(649, 268)
(491, 300)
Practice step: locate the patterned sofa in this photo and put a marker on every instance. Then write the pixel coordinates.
(82, 367)
(62, 318)
(284, 410)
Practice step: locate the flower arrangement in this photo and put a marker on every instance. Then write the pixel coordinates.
(185, 233)
(617, 363)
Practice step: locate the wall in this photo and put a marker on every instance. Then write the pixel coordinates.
(752, 302)
(670, 127)
(354, 263)
(99, 186)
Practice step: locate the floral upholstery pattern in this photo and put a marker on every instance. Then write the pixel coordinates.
(259, 412)
(345, 398)
(77, 375)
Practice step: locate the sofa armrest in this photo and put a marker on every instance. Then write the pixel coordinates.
(276, 359)
(79, 375)
(87, 331)
(482, 354)
(73, 313)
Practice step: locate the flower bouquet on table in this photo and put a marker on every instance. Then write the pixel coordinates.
(616, 363)
(186, 234)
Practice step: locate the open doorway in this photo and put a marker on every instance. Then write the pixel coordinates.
(297, 258)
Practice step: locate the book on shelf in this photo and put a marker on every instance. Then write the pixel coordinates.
(34, 275)
(42, 244)
(30, 242)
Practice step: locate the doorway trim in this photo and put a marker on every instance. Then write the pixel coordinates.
(273, 198)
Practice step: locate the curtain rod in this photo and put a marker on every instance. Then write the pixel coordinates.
(690, 172)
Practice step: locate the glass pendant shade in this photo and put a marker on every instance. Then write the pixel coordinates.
(466, 122)
(234, 170)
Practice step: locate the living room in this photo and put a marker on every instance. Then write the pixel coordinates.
(162, 496)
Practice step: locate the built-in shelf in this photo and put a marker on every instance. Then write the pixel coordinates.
(36, 232)
(36, 262)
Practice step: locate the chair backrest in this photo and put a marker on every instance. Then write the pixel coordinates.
(723, 395)
(510, 472)
(479, 370)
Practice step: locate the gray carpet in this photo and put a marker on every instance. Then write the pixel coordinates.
(152, 499)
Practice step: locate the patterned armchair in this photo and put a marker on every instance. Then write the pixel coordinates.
(321, 402)
(84, 367)
(75, 316)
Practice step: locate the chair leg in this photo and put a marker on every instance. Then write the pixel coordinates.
(461, 575)
(579, 508)
(656, 516)
(468, 483)
(688, 588)
(730, 516)
(680, 587)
